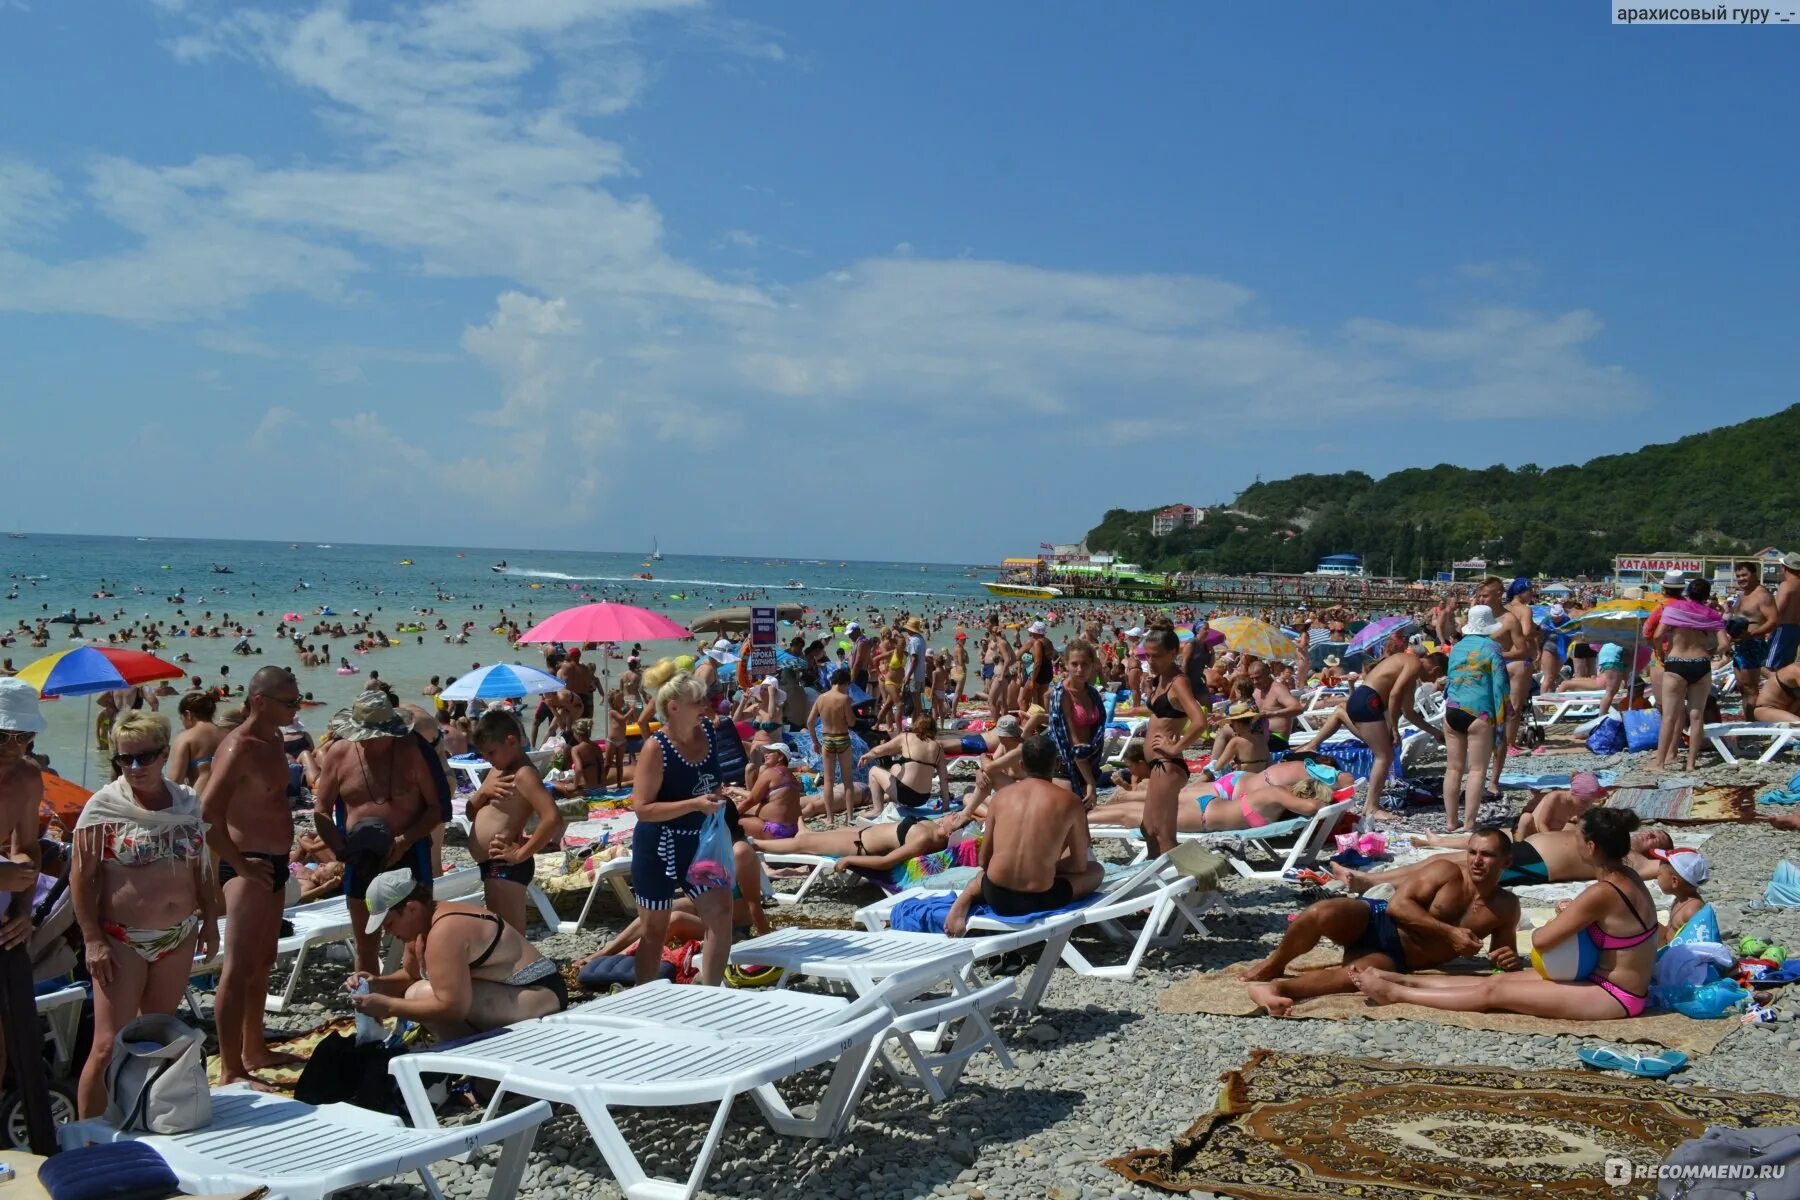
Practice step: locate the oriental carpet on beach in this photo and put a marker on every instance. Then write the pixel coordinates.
(1296, 1126)
(1221, 994)
(1677, 805)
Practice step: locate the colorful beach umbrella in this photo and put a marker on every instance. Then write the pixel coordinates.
(1375, 633)
(501, 682)
(1247, 635)
(606, 622)
(86, 670)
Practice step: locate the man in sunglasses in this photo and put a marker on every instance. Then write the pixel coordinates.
(250, 831)
(21, 793)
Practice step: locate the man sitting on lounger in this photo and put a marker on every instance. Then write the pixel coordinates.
(1553, 857)
(871, 847)
(1035, 856)
(1441, 911)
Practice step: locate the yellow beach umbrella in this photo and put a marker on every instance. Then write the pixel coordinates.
(1247, 635)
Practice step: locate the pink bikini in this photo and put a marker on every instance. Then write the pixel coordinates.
(1631, 1002)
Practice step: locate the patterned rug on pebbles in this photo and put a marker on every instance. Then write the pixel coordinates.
(1295, 1126)
(1676, 805)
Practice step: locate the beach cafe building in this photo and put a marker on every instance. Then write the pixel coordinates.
(1647, 570)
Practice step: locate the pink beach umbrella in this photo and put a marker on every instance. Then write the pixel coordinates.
(606, 622)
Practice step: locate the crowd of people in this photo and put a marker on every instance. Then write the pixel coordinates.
(197, 826)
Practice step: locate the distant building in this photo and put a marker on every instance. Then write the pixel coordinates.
(1176, 516)
(1340, 564)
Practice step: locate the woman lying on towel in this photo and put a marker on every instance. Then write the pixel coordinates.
(871, 847)
(1615, 916)
(1295, 787)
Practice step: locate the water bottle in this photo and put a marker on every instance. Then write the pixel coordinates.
(369, 1031)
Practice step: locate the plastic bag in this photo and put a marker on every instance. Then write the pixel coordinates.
(1641, 728)
(712, 867)
(1703, 1002)
(1608, 737)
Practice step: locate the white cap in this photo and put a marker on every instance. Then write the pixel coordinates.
(777, 748)
(1035, 627)
(387, 891)
(19, 711)
(1134, 632)
(1691, 865)
(853, 627)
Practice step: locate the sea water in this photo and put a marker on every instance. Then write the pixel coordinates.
(159, 578)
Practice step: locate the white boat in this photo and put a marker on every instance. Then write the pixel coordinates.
(794, 585)
(655, 551)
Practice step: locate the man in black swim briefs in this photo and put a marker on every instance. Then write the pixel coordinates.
(1441, 911)
(1035, 856)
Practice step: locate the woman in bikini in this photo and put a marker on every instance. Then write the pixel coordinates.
(1125, 809)
(191, 754)
(141, 892)
(1176, 722)
(1616, 913)
(1078, 721)
(1246, 741)
(771, 808)
(762, 708)
(464, 970)
(1688, 633)
(871, 847)
(922, 760)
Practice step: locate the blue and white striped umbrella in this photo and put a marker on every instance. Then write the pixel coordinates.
(501, 681)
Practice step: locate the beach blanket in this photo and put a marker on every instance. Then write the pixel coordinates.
(1291, 1126)
(943, 869)
(1221, 994)
(926, 914)
(284, 1078)
(1551, 781)
(1674, 805)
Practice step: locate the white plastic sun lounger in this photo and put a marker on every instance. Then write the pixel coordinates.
(324, 922)
(729, 1014)
(304, 1152)
(596, 1069)
(1725, 733)
(1276, 831)
(1555, 707)
(60, 1012)
(818, 866)
(1148, 887)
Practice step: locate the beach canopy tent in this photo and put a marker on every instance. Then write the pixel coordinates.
(727, 621)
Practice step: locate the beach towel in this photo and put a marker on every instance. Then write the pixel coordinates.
(1784, 889)
(1550, 781)
(947, 868)
(1675, 805)
(926, 914)
(1789, 794)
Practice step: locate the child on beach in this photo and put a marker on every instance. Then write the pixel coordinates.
(1550, 811)
(499, 811)
(1680, 875)
(618, 715)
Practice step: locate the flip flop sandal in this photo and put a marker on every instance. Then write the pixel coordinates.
(1648, 1066)
(1786, 973)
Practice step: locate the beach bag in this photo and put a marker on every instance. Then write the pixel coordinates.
(1770, 1157)
(1641, 728)
(712, 866)
(1608, 737)
(156, 1082)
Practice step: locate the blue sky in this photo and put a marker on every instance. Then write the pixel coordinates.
(908, 280)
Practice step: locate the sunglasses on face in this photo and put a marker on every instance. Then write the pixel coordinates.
(284, 701)
(133, 762)
(18, 737)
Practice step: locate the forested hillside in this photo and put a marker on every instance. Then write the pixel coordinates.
(1727, 490)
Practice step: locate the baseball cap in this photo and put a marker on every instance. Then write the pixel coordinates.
(1008, 726)
(1518, 586)
(387, 891)
(1691, 865)
(853, 627)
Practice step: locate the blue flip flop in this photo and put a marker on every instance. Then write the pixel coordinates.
(1787, 972)
(1650, 1066)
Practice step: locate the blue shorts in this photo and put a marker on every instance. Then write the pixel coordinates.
(1784, 643)
(1750, 654)
(974, 743)
(661, 853)
(1381, 936)
(987, 670)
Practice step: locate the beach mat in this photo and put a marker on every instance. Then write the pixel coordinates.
(1293, 1126)
(1221, 994)
(301, 1044)
(1677, 805)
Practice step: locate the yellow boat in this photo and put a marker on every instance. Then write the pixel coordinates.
(1021, 591)
(406, 562)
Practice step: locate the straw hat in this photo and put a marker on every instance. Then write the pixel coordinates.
(1242, 710)
(1791, 560)
(1332, 660)
(913, 626)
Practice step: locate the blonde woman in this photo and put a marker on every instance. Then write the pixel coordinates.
(677, 785)
(141, 892)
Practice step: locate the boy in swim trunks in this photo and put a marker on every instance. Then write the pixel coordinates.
(829, 722)
(510, 797)
(1442, 911)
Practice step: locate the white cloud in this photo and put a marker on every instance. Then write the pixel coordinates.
(1499, 271)
(30, 200)
(272, 432)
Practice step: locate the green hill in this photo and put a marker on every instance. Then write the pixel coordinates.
(1721, 492)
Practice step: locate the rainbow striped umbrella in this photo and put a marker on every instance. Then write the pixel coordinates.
(89, 669)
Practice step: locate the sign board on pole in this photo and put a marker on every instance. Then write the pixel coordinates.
(764, 633)
(1659, 563)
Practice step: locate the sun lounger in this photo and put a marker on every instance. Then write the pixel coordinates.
(1555, 707)
(1724, 733)
(595, 1070)
(61, 1014)
(920, 1021)
(615, 873)
(817, 867)
(1146, 887)
(1312, 836)
(326, 921)
(302, 1152)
